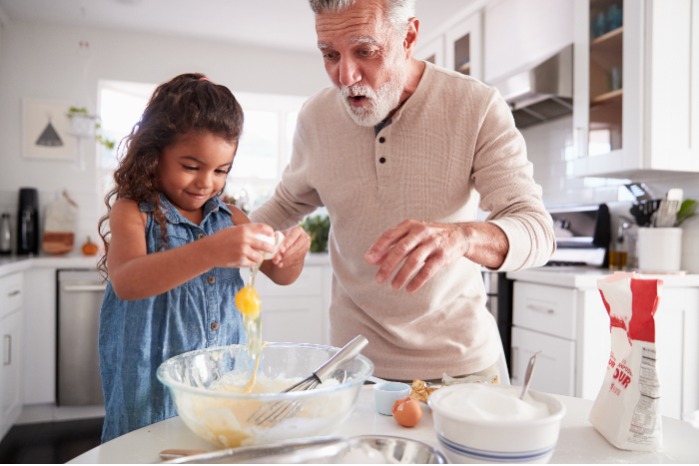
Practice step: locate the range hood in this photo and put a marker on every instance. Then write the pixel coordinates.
(542, 93)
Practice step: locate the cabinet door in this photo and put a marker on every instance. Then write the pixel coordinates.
(294, 312)
(555, 364)
(517, 34)
(10, 370)
(295, 318)
(464, 47)
(672, 69)
(432, 51)
(636, 86)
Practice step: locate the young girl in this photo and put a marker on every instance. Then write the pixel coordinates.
(174, 249)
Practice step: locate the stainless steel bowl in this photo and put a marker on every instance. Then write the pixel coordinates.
(375, 449)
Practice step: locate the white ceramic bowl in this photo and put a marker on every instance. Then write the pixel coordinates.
(473, 424)
(222, 416)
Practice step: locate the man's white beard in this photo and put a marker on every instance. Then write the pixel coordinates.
(381, 102)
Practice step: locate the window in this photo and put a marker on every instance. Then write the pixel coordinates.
(263, 152)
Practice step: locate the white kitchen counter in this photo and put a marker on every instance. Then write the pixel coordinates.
(11, 264)
(579, 442)
(586, 277)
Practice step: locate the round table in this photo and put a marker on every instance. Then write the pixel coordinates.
(578, 442)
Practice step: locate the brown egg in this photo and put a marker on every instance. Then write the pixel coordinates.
(407, 412)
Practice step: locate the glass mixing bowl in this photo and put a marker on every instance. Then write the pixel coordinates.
(208, 387)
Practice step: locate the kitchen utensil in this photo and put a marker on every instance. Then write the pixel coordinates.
(208, 387)
(644, 211)
(276, 412)
(667, 211)
(640, 191)
(373, 449)
(528, 375)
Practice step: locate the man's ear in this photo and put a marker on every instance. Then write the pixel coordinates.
(411, 36)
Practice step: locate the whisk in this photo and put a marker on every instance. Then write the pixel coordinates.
(271, 414)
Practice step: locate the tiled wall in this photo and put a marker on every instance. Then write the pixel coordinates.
(550, 148)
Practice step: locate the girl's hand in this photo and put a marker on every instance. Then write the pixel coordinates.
(241, 245)
(293, 249)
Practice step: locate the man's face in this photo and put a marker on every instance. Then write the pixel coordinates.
(365, 59)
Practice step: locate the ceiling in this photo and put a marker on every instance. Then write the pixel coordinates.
(283, 24)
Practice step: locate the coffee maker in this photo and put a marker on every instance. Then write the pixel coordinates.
(28, 222)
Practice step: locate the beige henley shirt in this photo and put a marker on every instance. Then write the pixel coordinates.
(451, 146)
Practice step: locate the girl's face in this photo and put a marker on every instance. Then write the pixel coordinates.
(193, 170)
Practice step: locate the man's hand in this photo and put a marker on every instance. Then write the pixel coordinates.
(415, 251)
(294, 248)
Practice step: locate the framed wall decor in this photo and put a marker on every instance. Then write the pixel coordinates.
(46, 130)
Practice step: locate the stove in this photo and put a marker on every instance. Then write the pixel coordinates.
(582, 234)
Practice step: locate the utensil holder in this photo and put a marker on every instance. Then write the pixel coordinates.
(659, 249)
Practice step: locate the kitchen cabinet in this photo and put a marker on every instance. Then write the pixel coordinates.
(556, 321)
(518, 35)
(432, 51)
(570, 327)
(464, 49)
(636, 92)
(296, 312)
(11, 305)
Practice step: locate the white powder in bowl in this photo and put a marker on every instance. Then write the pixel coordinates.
(492, 403)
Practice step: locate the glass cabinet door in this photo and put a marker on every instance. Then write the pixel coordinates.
(606, 76)
(463, 44)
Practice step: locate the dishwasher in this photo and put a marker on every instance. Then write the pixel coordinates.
(80, 294)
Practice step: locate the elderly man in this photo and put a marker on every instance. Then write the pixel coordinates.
(400, 153)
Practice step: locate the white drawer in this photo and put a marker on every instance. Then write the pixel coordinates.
(309, 283)
(11, 293)
(547, 309)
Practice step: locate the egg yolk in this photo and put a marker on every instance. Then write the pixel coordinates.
(248, 301)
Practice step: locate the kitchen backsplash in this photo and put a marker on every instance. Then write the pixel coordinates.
(550, 149)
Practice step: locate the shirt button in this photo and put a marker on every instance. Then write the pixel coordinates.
(382, 160)
(200, 235)
(215, 326)
(382, 139)
(211, 279)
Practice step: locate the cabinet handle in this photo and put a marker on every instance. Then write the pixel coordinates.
(13, 293)
(85, 287)
(7, 354)
(542, 309)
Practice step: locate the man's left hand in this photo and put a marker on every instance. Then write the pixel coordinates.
(414, 251)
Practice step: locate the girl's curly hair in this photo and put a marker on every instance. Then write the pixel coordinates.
(188, 102)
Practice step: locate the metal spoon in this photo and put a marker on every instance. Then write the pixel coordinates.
(528, 375)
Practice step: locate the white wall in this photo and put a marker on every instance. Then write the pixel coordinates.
(45, 62)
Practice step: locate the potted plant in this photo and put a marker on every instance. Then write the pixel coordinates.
(85, 125)
(318, 228)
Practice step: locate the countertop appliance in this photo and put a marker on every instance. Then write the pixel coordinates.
(583, 235)
(80, 294)
(28, 222)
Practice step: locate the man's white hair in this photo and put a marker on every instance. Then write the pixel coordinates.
(397, 11)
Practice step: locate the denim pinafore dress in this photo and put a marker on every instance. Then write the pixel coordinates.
(135, 337)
